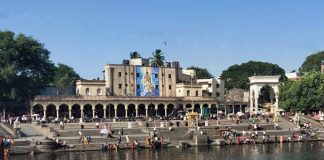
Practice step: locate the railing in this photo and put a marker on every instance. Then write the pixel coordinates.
(59, 98)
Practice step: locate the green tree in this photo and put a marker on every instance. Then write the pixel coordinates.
(157, 58)
(24, 67)
(201, 73)
(312, 62)
(305, 94)
(236, 76)
(134, 54)
(64, 76)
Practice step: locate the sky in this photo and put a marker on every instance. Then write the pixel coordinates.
(213, 34)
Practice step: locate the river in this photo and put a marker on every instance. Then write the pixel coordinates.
(290, 151)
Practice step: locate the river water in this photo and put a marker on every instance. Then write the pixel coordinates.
(290, 151)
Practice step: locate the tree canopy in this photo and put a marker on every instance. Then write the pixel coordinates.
(64, 76)
(134, 54)
(25, 67)
(236, 76)
(201, 73)
(157, 58)
(312, 62)
(305, 94)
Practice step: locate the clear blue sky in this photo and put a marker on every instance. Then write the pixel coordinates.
(214, 34)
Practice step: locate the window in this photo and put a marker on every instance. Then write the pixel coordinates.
(169, 75)
(188, 92)
(98, 92)
(137, 74)
(169, 87)
(87, 91)
(196, 93)
(209, 85)
(156, 75)
(162, 86)
(138, 86)
(132, 73)
(126, 73)
(217, 85)
(119, 74)
(217, 94)
(119, 86)
(162, 74)
(156, 86)
(126, 85)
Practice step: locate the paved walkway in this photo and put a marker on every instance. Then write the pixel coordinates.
(284, 123)
(29, 130)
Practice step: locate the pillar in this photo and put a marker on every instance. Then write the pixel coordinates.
(165, 111)
(126, 110)
(57, 112)
(115, 107)
(44, 110)
(136, 110)
(156, 111)
(256, 104)
(225, 108)
(233, 107)
(93, 111)
(105, 110)
(241, 107)
(70, 112)
(82, 114)
(146, 111)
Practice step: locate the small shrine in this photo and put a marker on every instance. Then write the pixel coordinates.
(192, 119)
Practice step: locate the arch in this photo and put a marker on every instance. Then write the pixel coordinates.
(111, 111)
(141, 110)
(38, 109)
(259, 84)
(170, 110)
(121, 112)
(188, 105)
(161, 111)
(267, 95)
(151, 110)
(63, 111)
(131, 110)
(180, 107)
(51, 110)
(188, 92)
(213, 109)
(87, 111)
(76, 111)
(99, 111)
(205, 110)
(197, 108)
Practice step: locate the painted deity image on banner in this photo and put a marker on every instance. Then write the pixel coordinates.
(147, 81)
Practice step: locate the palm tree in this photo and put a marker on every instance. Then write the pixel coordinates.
(134, 55)
(158, 59)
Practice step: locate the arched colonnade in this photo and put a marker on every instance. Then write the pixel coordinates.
(110, 110)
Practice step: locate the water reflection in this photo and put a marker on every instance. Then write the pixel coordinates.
(308, 150)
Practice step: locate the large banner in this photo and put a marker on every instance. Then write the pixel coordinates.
(147, 81)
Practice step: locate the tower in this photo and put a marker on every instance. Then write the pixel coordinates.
(322, 67)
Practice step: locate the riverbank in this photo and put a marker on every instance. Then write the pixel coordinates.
(175, 136)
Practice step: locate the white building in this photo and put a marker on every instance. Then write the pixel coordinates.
(213, 88)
